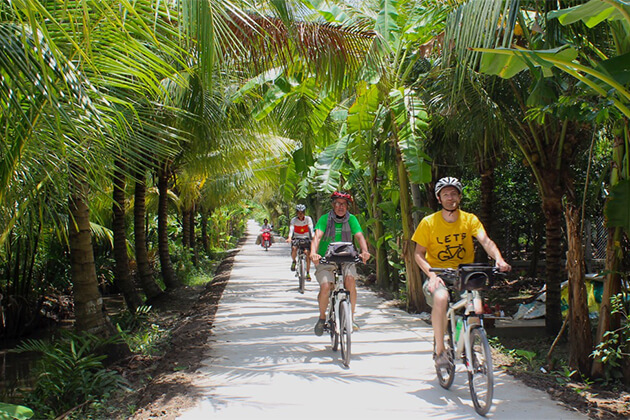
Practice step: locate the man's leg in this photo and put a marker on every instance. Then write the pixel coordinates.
(322, 299)
(438, 318)
(350, 284)
(293, 254)
(325, 277)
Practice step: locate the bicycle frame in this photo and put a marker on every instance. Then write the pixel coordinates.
(463, 342)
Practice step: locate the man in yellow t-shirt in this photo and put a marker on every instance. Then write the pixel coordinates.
(444, 240)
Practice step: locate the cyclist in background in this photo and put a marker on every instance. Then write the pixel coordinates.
(301, 227)
(338, 225)
(444, 239)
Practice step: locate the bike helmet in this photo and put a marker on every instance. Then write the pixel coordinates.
(447, 182)
(300, 207)
(341, 194)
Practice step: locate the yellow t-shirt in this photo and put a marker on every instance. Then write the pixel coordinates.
(448, 244)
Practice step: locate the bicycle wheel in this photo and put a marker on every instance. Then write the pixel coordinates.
(301, 272)
(334, 335)
(446, 374)
(481, 378)
(345, 330)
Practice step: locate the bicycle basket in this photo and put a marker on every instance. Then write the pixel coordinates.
(341, 252)
(474, 277)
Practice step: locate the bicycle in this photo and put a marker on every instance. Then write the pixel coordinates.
(302, 245)
(471, 342)
(339, 320)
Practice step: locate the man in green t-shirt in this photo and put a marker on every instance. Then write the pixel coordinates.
(444, 239)
(336, 226)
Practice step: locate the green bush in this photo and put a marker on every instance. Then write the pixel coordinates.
(70, 373)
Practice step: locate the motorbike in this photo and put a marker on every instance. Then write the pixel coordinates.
(266, 239)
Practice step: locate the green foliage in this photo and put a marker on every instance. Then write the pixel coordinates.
(618, 207)
(614, 346)
(12, 411)
(70, 373)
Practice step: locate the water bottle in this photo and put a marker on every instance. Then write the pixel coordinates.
(458, 328)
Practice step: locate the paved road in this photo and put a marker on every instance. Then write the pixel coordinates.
(266, 363)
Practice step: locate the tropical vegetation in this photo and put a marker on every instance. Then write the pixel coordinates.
(139, 136)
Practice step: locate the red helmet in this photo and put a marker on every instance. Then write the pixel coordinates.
(341, 194)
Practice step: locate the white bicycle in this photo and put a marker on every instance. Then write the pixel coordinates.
(339, 320)
(465, 341)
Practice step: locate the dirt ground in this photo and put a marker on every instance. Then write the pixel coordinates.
(163, 385)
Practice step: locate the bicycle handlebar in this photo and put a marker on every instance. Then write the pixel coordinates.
(339, 260)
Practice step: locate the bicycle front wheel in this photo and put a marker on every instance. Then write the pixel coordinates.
(334, 335)
(446, 374)
(301, 272)
(345, 330)
(481, 378)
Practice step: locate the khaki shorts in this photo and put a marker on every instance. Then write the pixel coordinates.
(324, 273)
(429, 296)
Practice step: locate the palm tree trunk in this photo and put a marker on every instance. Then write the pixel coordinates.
(487, 201)
(580, 338)
(415, 297)
(205, 240)
(552, 207)
(186, 228)
(89, 311)
(144, 270)
(168, 273)
(122, 274)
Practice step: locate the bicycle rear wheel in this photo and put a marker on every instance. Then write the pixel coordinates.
(345, 330)
(446, 374)
(481, 378)
(301, 269)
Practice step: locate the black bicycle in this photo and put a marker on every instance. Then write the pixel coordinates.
(464, 340)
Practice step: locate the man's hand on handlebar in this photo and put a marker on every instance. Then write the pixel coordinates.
(315, 257)
(503, 266)
(365, 256)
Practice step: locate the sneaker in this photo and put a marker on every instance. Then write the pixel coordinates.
(319, 327)
(308, 277)
(355, 326)
(293, 266)
(442, 360)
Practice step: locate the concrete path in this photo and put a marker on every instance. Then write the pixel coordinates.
(265, 361)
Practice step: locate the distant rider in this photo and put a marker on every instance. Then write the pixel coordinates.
(265, 226)
(338, 225)
(301, 227)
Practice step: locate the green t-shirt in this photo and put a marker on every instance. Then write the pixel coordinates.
(355, 228)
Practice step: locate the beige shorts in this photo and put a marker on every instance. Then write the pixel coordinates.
(429, 296)
(324, 273)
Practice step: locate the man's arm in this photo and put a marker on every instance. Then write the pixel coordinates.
(365, 254)
(291, 229)
(493, 251)
(315, 257)
(420, 255)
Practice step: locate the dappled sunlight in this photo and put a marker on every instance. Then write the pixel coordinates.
(265, 360)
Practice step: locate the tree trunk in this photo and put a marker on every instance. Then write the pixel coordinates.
(122, 274)
(89, 311)
(205, 240)
(186, 243)
(580, 338)
(168, 273)
(415, 297)
(144, 274)
(487, 203)
(552, 207)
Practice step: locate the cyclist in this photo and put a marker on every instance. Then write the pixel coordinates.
(301, 227)
(444, 239)
(338, 225)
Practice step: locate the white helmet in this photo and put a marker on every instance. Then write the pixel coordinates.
(300, 207)
(447, 182)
